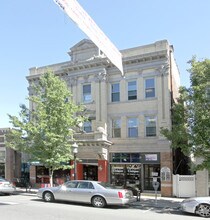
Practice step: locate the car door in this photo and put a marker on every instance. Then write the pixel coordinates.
(67, 191)
(84, 191)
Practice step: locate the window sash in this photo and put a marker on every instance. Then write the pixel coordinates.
(151, 126)
(133, 132)
(132, 90)
(150, 88)
(116, 132)
(132, 127)
(87, 93)
(132, 95)
(87, 126)
(115, 92)
(116, 128)
(150, 131)
(115, 97)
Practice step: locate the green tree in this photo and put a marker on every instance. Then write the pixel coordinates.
(46, 132)
(191, 115)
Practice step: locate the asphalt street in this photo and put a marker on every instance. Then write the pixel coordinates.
(28, 206)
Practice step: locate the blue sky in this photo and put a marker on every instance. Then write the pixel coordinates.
(36, 33)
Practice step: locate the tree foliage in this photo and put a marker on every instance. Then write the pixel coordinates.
(46, 131)
(191, 115)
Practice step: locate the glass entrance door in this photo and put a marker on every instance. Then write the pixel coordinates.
(151, 171)
(90, 172)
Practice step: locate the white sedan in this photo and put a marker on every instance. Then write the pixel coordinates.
(6, 187)
(97, 193)
(197, 205)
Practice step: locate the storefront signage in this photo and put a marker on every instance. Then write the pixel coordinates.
(117, 169)
(150, 157)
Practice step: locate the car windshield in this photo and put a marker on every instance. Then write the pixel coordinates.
(107, 185)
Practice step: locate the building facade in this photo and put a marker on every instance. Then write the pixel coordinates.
(10, 160)
(121, 142)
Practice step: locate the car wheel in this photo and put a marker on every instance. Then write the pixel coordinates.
(48, 197)
(203, 210)
(98, 201)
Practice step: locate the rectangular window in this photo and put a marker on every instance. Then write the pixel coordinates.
(116, 128)
(132, 90)
(132, 127)
(87, 126)
(150, 126)
(149, 88)
(115, 89)
(126, 157)
(87, 93)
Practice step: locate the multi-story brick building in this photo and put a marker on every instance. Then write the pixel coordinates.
(122, 143)
(10, 160)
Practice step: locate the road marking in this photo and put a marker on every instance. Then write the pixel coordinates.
(147, 210)
(8, 203)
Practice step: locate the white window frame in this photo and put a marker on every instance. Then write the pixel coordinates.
(86, 97)
(112, 100)
(131, 81)
(117, 128)
(150, 117)
(149, 88)
(136, 127)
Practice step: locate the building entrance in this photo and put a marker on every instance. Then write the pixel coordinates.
(151, 171)
(2, 170)
(90, 172)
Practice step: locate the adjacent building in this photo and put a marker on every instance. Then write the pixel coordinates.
(121, 142)
(10, 160)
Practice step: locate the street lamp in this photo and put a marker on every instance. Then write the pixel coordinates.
(75, 151)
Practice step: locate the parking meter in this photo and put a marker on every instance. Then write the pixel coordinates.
(155, 185)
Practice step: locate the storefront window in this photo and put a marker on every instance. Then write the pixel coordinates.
(116, 157)
(126, 175)
(118, 175)
(135, 158)
(126, 157)
(42, 175)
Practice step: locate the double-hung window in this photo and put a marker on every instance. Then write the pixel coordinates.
(132, 127)
(87, 98)
(151, 123)
(115, 92)
(116, 128)
(150, 88)
(87, 126)
(132, 90)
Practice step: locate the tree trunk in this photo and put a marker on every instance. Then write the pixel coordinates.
(51, 176)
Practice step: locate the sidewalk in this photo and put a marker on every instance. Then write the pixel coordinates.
(22, 190)
(159, 203)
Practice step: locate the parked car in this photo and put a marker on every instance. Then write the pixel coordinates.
(197, 205)
(97, 193)
(6, 187)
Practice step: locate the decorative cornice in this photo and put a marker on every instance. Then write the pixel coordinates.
(101, 76)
